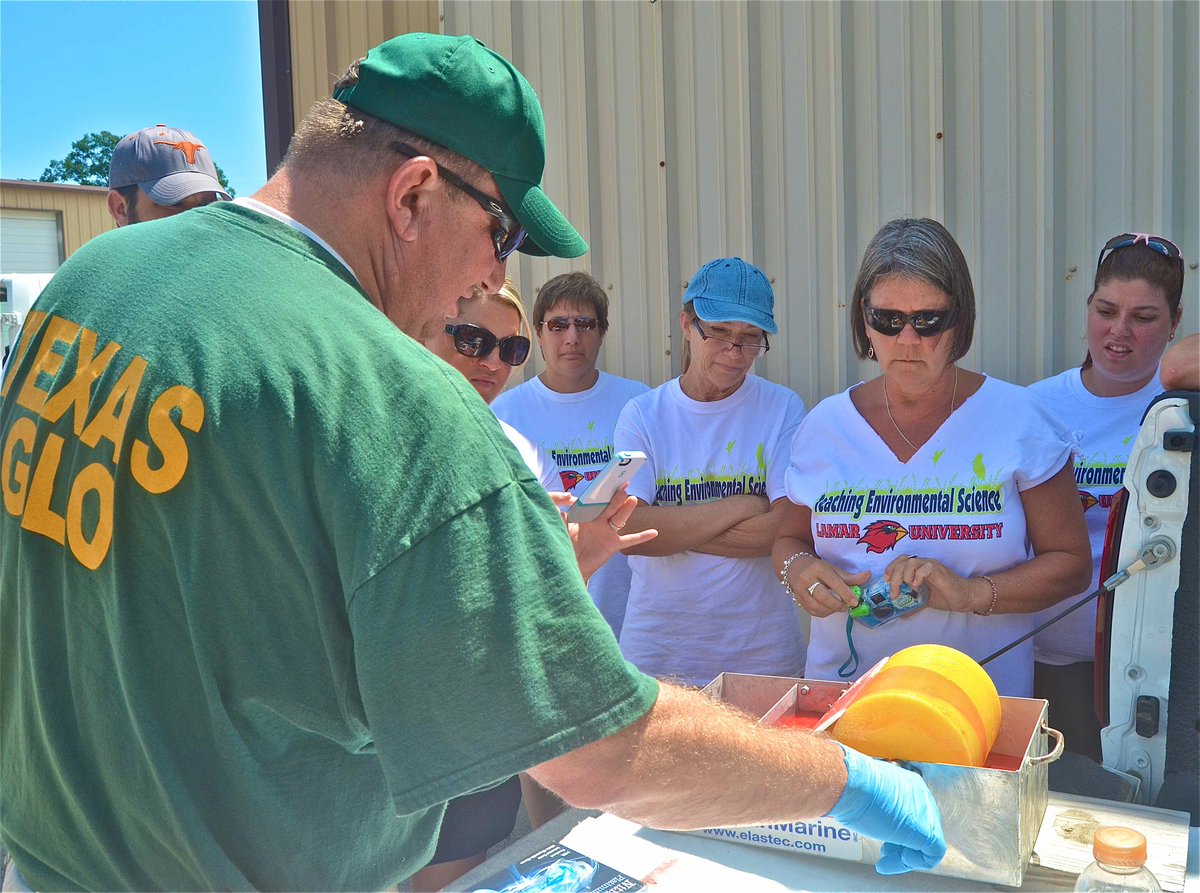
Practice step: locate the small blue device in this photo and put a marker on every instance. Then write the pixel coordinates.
(877, 605)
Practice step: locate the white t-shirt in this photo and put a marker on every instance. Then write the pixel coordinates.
(536, 458)
(1106, 428)
(957, 500)
(692, 616)
(577, 431)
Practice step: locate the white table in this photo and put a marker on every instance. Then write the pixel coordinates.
(684, 863)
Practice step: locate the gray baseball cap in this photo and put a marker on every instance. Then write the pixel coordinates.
(167, 163)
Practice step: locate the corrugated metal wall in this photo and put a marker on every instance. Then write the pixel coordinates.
(788, 132)
(327, 36)
(82, 210)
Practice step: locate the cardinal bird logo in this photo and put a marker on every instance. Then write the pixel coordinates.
(570, 479)
(882, 535)
(1087, 499)
(188, 149)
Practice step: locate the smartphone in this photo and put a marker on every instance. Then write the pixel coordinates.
(620, 468)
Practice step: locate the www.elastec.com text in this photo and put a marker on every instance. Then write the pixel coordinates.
(755, 837)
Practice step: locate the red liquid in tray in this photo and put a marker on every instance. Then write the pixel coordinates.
(797, 721)
(1002, 761)
(808, 721)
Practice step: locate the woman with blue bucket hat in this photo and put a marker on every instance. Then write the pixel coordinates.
(704, 598)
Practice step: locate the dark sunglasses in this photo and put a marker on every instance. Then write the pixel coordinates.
(476, 341)
(1165, 247)
(562, 323)
(508, 235)
(892, 322)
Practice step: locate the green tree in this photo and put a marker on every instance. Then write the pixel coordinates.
(87, 162)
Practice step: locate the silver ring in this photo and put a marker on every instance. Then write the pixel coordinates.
(616, 529)
(813, 586)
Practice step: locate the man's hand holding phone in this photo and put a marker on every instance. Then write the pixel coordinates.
(598, 540)
(619, 470)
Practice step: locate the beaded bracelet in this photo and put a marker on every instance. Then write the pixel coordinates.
(992, 606)
(783, 580)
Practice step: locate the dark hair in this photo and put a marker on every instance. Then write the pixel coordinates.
(1141, 262)
(578, 288)
(130, 195)
(921, 250)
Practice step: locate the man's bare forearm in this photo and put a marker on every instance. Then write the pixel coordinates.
(691, 762)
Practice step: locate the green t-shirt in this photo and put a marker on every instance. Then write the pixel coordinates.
(274, 583)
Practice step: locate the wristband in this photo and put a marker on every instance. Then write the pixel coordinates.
(992, 606)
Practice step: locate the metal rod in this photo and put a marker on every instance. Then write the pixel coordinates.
(1011, 645)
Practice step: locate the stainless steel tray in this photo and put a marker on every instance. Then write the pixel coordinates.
(991, 816)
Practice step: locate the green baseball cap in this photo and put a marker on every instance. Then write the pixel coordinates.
(456, 92)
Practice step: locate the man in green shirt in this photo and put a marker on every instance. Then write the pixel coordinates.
(274, 586)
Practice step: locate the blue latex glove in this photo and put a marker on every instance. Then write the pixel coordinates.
(893, 805)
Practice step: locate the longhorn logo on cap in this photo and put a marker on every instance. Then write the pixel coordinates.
(188, 149)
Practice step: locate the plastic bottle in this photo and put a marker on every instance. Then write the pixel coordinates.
(1120, 862)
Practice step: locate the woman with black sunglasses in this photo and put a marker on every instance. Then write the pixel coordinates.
(1133, 312)
(953, 482)
(486, 341)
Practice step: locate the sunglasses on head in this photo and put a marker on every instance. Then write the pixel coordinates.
(475, 341)
(508, 235)
(892, 322)
(1165, 247)
(562, 323)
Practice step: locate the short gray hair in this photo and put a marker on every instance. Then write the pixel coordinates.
(922, 250)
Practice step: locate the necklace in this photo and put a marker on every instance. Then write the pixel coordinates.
(887, 404)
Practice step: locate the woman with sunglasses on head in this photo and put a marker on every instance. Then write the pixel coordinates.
(1132, 314)
(487, 340)
(928, 475)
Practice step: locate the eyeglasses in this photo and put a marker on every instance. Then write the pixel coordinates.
(925, 323)
(508, 235)
(752, 348)
(475, 341)
(1165, 247)
(562, 323)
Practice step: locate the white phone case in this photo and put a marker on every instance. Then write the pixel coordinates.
(620, 468)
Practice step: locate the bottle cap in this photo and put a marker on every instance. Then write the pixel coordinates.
(1115, 845)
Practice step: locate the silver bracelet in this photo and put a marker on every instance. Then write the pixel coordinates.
(783, 572)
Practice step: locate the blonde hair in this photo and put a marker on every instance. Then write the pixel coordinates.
(509, 295)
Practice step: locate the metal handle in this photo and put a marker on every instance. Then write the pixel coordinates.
(1059, 743)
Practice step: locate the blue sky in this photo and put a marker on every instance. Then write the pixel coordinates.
(70, 68)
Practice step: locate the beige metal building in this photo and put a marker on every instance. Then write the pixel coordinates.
(41, 224)
(788, 132)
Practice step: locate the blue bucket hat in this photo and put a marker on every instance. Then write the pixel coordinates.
(730, 290)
